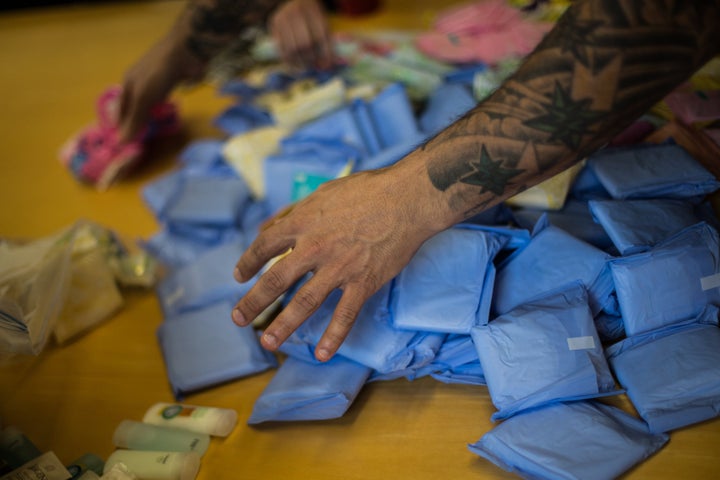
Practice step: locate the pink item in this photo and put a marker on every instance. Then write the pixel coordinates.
(487, 31)
(97, 156)
(695, 106)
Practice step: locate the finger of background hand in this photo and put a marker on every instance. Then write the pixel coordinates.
(342, 321)
(320, 32)
(271, 285)
(303, 304)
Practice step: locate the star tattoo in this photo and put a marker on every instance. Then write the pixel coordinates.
(489, 175)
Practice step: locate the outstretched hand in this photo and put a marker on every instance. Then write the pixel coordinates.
(151, 79)
(354, 234)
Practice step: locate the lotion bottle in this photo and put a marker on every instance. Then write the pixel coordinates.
(218, 422)
(145, 436)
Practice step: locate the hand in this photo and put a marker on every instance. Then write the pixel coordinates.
(355, 233)
(302, 34)
(151, 80)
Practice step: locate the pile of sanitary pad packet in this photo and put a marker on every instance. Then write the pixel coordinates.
(547, 310)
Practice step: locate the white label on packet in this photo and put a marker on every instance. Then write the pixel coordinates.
(581, 343)
(45, 467)
(709, 282)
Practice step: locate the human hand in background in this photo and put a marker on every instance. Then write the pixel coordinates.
(151, 79)
(354, 234)
(301, 31)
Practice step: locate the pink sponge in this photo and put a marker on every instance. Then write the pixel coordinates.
(97, 156)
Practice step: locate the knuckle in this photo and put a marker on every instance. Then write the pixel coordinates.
(273, 281)
(306, 300)
(250, 303)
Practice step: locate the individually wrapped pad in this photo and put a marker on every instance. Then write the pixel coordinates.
(241, 118)
(447, 286)
(208, 201)
(456, 362)
(579, 440)
(424, 347)
(339, 125)
(637, 225)
(310, 391)
(289, 176)
(372, 341)
(175, 248)
(543, 351)
(671, 375)
(551, 259)
(445, 105)
(203, 153)
(670, 282)
(651, 172)
(206, 280)
(575, 218)
(393, 116)
(204, 348)
(390, 155)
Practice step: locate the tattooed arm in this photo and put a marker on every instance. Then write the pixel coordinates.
(604, 64)
(201, 31)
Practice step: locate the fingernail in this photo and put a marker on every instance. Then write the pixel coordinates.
(237, 275)
(269, 340)
(238, 317)
(323, 354)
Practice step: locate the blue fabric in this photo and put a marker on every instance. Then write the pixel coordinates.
(671, 375)
(457, 361)
(551, 259)
(366, 126)
(393, 116)
(610, 328)
(177, 249)
(424, 347)
(580, 440)
(339, 125)
(445, 105)
(309, 391)
(637, 225)
(587, 186)
(290, 176)
(390, 155)
(205, 153)
(544, 351)
(206, 280)
(447, 285)
(241, 118)
(204, 348)
(372, 341)
(575, 218)
(664, 285)
(208, 201)
(652, 172)
(159, 193)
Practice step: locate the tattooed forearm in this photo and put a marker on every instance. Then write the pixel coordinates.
(212, 24)
(605, 63)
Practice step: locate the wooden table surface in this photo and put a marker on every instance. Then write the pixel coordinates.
(53, 64)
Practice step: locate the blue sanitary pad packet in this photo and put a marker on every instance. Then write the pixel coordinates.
(637, 225)
(207, 280)
(393, 116)
(457, 361)
(671, 374)
(216, 201)
(366, 126)
(543, 351)
(176, 249)
(204, 348)
(652, 171)
(552, 258)
(424, 347)
(673, 281)
(610, 327)
(579, 440)
(296, 172)
(390, 155)
(241, 118)
(372, 341)
(447, 286)
(575, 218)
(203, 153)
(339, 125)
(310, 391)
(445, 105)
(587, 186)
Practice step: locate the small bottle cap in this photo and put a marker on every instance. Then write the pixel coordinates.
(225, 422)
(188, 465)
